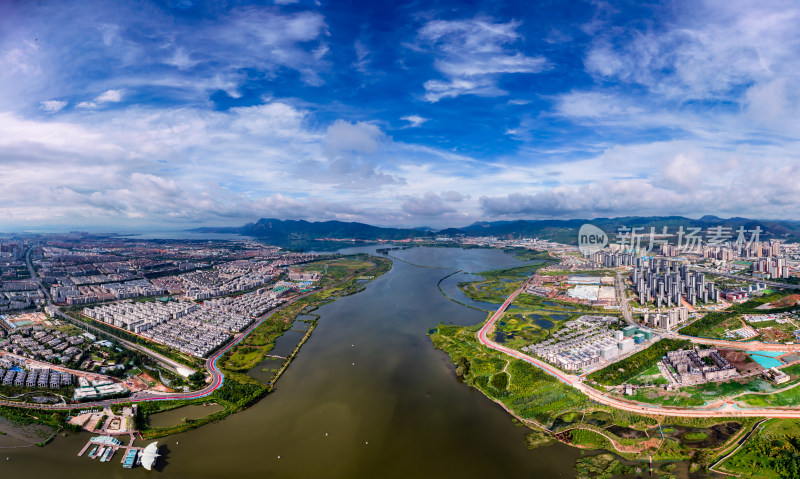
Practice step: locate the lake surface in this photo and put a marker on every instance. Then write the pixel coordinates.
(367, 397)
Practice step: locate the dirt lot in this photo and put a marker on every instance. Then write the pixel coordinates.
(773, 335)
(158, 387)
(740, 361)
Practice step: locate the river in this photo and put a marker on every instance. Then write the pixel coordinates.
(367, 397)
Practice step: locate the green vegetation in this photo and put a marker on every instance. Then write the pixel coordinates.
(701, 394)
(772, 452)
(695, 436)
(787, 398)
(254, 348)
(652, 377)
(710, 325)
(524, 254)
(601, 466)
(32, 416)
(590, 439)
(523, 388)
(38, 425)
(538, 438)
(632, 366)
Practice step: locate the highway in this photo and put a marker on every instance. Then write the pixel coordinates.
(719, 408)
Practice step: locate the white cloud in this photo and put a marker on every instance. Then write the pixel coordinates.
(472, 54)
(109, 96)
(594, 105)
(53, 106)
(362, 56)
(345, 137)
(414, 120)
(181, 60)
(708, 51)
(429, 204)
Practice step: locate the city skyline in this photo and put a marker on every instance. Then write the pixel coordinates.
(399, 115)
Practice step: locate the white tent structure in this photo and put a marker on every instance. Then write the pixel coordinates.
(149, 455)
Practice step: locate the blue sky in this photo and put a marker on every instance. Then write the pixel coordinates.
(178, 113)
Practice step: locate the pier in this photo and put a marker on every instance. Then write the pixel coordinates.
(112, 445)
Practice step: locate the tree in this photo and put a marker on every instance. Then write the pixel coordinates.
(702, 457)
(462, 367)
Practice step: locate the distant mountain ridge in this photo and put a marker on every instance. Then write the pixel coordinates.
(556, 230)
(272, 228)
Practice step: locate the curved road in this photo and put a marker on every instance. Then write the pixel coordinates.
(721, 408)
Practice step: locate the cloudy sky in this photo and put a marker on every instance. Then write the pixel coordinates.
(437, 113)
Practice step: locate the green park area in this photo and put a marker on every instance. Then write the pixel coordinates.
(498, 284)
(773, 451)
(783, 395)
(651, 376)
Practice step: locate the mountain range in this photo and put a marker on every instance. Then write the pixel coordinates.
(282, 231)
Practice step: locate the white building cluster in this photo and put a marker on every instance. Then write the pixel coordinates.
(133, 289)
(183, 325)
(230, 278)
(583, 342)
(252, 304)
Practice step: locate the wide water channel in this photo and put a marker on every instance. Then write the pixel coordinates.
(368, 396)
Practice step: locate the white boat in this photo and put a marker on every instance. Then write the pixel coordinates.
(149, 455)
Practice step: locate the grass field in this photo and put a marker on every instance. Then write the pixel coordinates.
(651, 376)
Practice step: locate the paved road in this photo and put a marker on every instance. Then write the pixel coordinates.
(720, 408)
(622, 296)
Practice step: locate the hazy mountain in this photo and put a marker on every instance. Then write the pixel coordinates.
(304, 230)
(558, 230)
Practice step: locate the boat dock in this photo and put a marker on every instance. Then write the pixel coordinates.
(105, 447)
